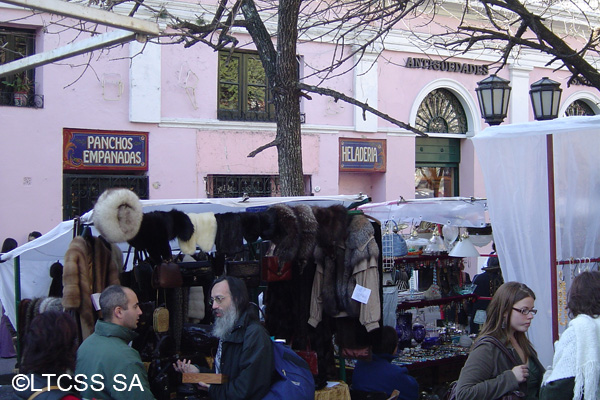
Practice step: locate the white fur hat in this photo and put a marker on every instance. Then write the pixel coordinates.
(205, 231)
(118, 215)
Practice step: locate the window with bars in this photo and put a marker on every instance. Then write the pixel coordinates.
(80, 192)
(218, 186)
(18, 89)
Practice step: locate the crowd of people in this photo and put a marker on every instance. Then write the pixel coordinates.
(502, 363)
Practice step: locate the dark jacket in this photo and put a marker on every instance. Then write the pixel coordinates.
(487, 374)
(380, 375)
(106, 352)
(246, 360)
(560, 389)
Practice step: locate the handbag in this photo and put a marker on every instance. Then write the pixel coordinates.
(363, 353)
(160, 320)
(393, 244)
(196, 273)
(167, 275)
(248, 271)
(274, 271)
(311, 358)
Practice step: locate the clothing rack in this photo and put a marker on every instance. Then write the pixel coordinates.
(583, 260)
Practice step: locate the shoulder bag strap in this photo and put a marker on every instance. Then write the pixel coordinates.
(45, 389)
(501, 346)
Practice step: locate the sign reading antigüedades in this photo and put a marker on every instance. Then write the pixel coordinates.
(446, 66)
(362, 155)
(87, 149)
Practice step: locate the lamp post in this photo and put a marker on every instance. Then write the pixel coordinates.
(493, 94)
(545, 99)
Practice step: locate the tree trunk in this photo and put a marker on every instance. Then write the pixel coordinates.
(287, 101)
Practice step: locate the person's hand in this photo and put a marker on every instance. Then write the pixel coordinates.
(203, 386)
(185, 366)
(521, 372)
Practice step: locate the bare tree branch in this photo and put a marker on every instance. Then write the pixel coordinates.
(340, 96)
(263, 147)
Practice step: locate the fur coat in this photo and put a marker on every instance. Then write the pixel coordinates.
(90, 266)
(354, 262)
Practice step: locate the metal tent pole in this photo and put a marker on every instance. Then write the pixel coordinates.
(552, 223)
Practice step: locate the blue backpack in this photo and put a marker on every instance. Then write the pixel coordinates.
(296, 381)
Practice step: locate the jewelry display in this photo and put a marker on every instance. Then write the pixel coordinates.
(562, 299)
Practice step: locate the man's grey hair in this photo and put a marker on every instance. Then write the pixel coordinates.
(112, 297)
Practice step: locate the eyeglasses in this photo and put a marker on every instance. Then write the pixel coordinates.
(525, 311)
(217, 299)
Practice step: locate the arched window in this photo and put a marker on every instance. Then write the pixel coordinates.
(579, 107)
(437, 158)
(441, 112)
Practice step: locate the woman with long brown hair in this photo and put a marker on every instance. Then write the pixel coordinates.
(502, 361)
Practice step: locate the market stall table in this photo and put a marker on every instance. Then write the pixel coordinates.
(335, 390)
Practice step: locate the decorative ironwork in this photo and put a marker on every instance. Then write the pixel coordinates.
(218, 186)
(441, 112)
(31, 101)
(80, 192)
(579, 108)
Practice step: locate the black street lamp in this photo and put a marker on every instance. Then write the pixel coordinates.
(493, 94)
(545, 99)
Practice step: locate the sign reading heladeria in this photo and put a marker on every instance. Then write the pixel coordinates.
(362, 155)
(86, 149)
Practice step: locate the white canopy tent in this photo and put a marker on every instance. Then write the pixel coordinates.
(36, 257)
(454, 211)
(514, 160)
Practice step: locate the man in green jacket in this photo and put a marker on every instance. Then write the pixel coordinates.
(111, 368)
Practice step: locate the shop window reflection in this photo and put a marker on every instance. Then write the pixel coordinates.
(434, 182)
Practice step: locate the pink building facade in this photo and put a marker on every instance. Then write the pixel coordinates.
(169, 97)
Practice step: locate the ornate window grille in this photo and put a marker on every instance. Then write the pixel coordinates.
(580, 108)
(80, 192)
(218, 186)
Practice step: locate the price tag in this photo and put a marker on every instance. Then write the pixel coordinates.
(361, 294)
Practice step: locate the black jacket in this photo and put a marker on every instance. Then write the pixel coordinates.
(246, 360)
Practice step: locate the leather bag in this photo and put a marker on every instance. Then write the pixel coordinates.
(275, 271)
(167, 275)
(248, 271)
(196, 273)
(310, 356)
(363, 353)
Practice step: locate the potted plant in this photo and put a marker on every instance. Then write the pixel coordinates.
(22, 88)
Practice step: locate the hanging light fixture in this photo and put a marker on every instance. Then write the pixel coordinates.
(436, 244)
(464, 248)
(545, 99)
(493, 94)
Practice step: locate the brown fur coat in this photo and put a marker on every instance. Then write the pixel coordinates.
(89, 267)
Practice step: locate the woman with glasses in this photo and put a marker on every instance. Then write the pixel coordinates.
(575, 372)
(502, 361)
